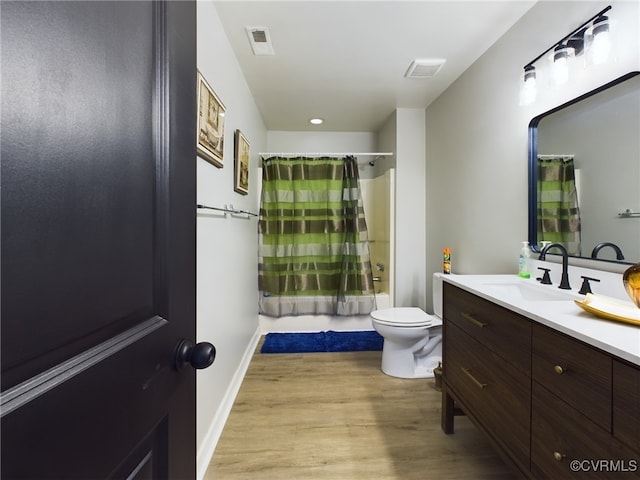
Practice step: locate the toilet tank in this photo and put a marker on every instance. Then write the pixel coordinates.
(437, 294)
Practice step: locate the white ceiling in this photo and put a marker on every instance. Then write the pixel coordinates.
(344, 61)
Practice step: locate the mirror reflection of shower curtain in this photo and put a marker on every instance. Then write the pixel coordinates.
(558, 209)
(313, 246)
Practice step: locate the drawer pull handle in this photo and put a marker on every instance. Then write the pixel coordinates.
(479, 384)
(558, 456)
(474, 320)
(559, 370)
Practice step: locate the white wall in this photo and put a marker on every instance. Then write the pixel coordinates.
(410, 262)
(476, 137)
(387, 140)
(320, 142)
(227, 309)
(404, 133)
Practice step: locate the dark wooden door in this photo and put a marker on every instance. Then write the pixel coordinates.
(98, 239)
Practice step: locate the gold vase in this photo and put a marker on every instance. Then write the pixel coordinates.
(631, 280)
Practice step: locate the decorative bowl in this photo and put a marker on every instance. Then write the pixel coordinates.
(631, 280)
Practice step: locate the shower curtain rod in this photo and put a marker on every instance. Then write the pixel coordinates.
(321, 154)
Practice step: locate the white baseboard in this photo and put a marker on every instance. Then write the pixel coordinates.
(206, 450)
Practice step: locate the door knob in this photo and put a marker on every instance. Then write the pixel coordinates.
(199, 356)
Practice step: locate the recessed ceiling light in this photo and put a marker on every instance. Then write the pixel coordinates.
(316, 121)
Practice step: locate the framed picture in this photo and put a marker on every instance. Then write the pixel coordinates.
(210, 135)
(241, 164)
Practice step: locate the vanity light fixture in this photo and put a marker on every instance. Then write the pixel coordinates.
(592, 35)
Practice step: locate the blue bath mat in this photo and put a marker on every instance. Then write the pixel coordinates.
(322, 342)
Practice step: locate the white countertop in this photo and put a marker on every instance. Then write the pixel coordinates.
(619, 339)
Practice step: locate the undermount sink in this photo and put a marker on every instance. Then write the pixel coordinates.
(529, 292)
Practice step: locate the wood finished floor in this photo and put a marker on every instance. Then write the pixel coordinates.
(336, 416)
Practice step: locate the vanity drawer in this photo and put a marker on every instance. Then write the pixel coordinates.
(488, 387)
(578, 374)
(504, 332)
(560, 434)
(626, 404)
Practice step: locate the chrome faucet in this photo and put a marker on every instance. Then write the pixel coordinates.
(600, 246)
(564, 280)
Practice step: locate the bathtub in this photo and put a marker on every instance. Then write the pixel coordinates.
(320, 323)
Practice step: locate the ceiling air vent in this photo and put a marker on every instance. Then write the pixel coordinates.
(424, 68)
(260, 40)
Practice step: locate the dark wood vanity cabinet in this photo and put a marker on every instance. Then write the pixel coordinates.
(487, 370)
(626, 405)
(544, 399)
(576, 373)
(573, 415)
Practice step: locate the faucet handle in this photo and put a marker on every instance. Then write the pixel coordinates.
(586, 287)
(546, 279)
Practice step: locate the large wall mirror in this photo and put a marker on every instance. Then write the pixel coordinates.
(594, 141)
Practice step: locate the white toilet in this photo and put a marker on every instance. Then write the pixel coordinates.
(412, 344)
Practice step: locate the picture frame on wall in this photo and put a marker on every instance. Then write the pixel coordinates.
(241, 163)
(210, 129)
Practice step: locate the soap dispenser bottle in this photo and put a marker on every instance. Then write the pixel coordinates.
(523, 265)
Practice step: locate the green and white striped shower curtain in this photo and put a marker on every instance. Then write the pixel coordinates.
(313, 245)
(558, 209)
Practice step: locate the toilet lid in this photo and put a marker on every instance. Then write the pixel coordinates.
(402, 316)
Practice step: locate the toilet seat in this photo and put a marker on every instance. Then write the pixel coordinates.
(403, 317)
